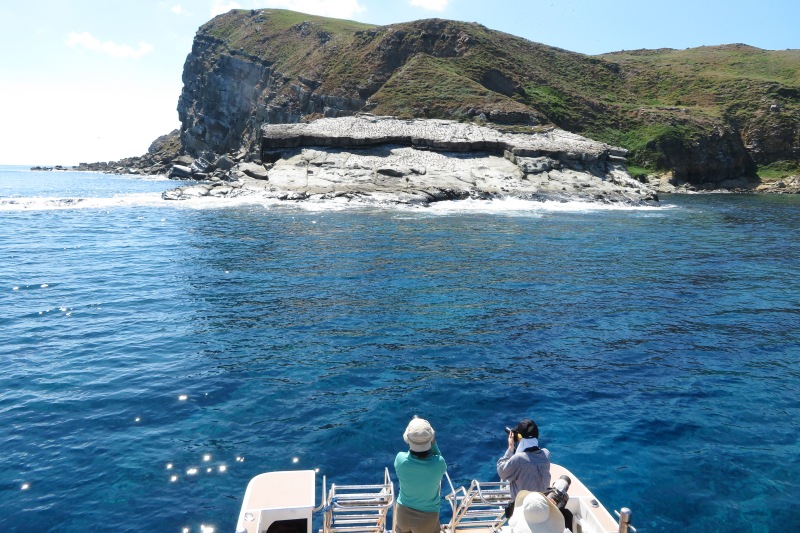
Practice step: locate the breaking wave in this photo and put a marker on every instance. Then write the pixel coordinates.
(510, 206)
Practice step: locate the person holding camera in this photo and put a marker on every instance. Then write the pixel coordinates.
(525, 465)
(420, 472)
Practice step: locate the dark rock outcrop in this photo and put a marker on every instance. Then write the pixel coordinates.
(217, 107)
(716, 160)
(158, 159)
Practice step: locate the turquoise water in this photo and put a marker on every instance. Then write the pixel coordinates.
(656, 348)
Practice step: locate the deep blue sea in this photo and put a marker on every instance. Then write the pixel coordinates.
(157, 355)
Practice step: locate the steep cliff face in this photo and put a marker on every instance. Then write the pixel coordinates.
(247, 68)
(712, 117)
(703, 153)
(218, 98)
(773, 135)
(716, 160)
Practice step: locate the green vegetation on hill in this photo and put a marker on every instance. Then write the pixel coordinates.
(737, 86)
(724, 110)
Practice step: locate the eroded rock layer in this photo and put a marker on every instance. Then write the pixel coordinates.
(384, 159)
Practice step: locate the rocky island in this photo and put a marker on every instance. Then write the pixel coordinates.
(262, 87)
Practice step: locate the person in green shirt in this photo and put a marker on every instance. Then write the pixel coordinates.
(420, 472)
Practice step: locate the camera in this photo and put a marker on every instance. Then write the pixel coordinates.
(509, 430)
(558, 491)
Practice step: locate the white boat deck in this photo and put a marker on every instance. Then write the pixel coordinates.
(597, 519)
(283, 502)
(283, 495)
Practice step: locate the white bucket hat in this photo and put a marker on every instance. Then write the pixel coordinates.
(419, 435)
(535, 513)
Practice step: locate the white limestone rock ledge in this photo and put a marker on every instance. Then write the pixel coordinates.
(368, 158)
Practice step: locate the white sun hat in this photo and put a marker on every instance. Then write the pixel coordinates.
(419, 435)
(535, 513)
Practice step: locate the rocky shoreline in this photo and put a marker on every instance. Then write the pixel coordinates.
(380, 159)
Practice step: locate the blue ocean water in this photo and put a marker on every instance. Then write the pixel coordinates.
(157, 355)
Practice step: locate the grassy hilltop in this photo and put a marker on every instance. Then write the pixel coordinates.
(704, 115)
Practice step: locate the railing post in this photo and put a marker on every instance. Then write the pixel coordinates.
(625, 521)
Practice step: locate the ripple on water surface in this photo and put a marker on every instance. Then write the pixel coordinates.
(159, 357)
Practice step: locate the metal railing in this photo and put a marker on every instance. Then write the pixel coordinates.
(358, 508)
(480, 507)
(624, 516)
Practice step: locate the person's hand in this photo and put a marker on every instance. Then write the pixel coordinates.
(511, 440)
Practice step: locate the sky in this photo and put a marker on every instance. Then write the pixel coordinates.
(99, 80)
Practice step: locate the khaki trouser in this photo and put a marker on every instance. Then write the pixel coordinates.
(408, 520)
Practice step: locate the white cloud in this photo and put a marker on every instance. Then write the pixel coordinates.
(433, 5)
(177, 9)
(90, 42)
(219, 7)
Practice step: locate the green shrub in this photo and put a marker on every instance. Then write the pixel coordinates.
(779, 170)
